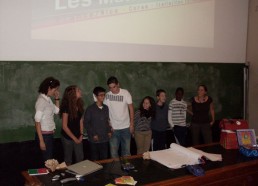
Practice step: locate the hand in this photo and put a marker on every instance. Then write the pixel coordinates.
(80, 138)
(77, 141)
(211, 123)
(132, 129)
(56, 94)
(96, 138)
(42, 145)
(109, 135)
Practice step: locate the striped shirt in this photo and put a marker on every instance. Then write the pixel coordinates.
(141, 123)
(177, 113)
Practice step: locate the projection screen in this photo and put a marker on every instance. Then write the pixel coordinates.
(124, 30)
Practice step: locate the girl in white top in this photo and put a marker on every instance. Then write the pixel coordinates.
(44, 116)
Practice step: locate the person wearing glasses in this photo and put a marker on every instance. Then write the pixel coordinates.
(96, 122)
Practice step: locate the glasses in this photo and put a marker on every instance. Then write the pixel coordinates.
(101, 95)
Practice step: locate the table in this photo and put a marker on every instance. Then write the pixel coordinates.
(235, 169)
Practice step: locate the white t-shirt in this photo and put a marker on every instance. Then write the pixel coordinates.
(118, 108)
(45, 110)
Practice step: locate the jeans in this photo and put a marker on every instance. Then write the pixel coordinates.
(159, 140)
(180, 134)
(120, 138)
(99, 151)
(49, 142)
(203, 129)
(143, 141)
(70, 146)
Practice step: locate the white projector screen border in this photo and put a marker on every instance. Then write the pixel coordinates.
(228, 46)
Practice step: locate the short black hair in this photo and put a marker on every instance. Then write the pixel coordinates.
(111, 80)
(98, 90)
(47, 83)
(160, 91)
(179, 89)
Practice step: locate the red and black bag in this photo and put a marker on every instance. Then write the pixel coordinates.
(228, 137)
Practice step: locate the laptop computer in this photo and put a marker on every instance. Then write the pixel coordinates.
(85, 167)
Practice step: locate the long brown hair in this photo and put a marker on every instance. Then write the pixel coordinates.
(70, 104)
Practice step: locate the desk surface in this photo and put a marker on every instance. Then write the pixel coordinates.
(235, 169)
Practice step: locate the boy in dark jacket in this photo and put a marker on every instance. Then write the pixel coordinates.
(96, 122)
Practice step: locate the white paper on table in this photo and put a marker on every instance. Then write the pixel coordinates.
(177, 156)
(209, 156)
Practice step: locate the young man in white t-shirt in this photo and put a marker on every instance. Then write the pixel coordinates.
(121, 113)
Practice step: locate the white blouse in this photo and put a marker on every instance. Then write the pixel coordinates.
(45, 110)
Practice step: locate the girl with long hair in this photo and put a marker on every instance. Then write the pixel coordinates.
(142, 120)
(71, 112)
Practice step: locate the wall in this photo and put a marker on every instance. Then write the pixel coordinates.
(252, 58)
(19, 82)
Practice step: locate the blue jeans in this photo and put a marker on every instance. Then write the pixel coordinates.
(49, 142)
(121, 138)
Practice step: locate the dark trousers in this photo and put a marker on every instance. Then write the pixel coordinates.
(71, 147)
(49, 142)
(99, 151)
(159, 140)
(180, 134)
(203, 130)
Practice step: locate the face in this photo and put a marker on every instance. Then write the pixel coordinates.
(101, 97)
(179, 95)
(78, 93)
(201, 91)
(114, 88)
(162, 97)
(146, 104)
(53, 91)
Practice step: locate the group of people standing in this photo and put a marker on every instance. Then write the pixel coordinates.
(111, 121)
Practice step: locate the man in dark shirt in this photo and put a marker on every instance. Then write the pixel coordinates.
(160, 123)
(96, 122)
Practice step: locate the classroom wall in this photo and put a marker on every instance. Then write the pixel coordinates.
(19, 82)
(252, 58)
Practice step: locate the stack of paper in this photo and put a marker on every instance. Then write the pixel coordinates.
(177, 156)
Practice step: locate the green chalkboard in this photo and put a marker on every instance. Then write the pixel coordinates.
(19, 83)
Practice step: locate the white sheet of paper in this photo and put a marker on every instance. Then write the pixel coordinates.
(177, 156)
